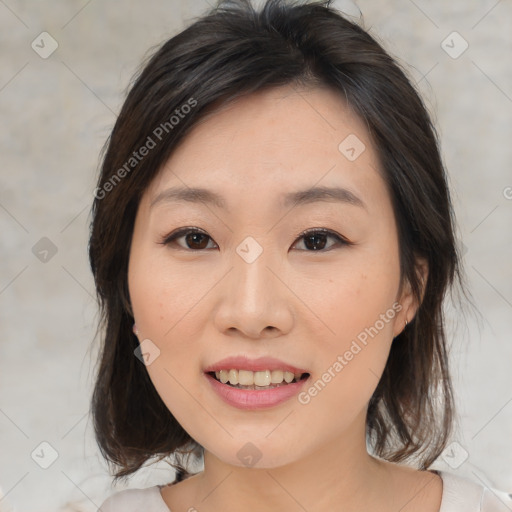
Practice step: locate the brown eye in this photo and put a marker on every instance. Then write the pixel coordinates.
(315, 239)
(195, 239)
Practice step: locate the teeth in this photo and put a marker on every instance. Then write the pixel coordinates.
(260, 378)
(277, 376)
(233, 377)
(245, 377)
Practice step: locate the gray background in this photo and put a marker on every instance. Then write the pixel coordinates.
(56, 114)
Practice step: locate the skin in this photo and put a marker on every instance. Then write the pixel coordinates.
(293, 303)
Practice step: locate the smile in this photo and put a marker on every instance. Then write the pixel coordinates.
(253, 396)
(260, 383)
(266, 379)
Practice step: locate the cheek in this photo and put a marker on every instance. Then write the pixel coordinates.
(165, 316)
(165, 303)
(163, 297)
(349, 297)
(357, 309)
(349, 365)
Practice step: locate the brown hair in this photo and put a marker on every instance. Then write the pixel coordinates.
(232, 51)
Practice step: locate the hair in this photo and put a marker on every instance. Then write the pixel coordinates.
(232, 51)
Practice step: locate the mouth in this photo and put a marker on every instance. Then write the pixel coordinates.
(251, 384)
(257, 380)
(255, 383)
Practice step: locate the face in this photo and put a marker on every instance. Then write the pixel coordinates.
(308, 286)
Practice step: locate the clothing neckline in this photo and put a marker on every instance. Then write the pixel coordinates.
(448, 481)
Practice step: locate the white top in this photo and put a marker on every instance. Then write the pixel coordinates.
(459, 495)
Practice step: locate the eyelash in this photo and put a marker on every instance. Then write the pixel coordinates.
(171, 238)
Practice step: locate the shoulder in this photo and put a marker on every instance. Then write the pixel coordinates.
(134, 500)
(464, 495)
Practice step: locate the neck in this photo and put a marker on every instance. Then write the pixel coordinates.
(339, 475)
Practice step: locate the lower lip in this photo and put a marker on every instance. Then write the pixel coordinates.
(255, 398)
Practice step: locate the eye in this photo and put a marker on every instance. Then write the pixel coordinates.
(315, 239)
(194, 238)
(197, 240)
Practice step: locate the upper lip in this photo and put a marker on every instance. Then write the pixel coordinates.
(255, 365)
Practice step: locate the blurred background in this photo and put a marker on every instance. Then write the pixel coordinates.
(64, 70)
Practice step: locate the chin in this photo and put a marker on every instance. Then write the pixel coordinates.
(254, 452)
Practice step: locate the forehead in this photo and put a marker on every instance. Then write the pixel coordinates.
(272, 141)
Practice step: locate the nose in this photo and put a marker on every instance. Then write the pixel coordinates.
(253, 300)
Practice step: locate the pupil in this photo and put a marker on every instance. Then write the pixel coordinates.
(314, 239)
(194, 237)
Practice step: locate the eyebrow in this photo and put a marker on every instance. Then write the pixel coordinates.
(290, 199)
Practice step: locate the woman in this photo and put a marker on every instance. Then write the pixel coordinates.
(272, 242)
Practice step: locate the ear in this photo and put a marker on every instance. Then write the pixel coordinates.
(407, 299)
